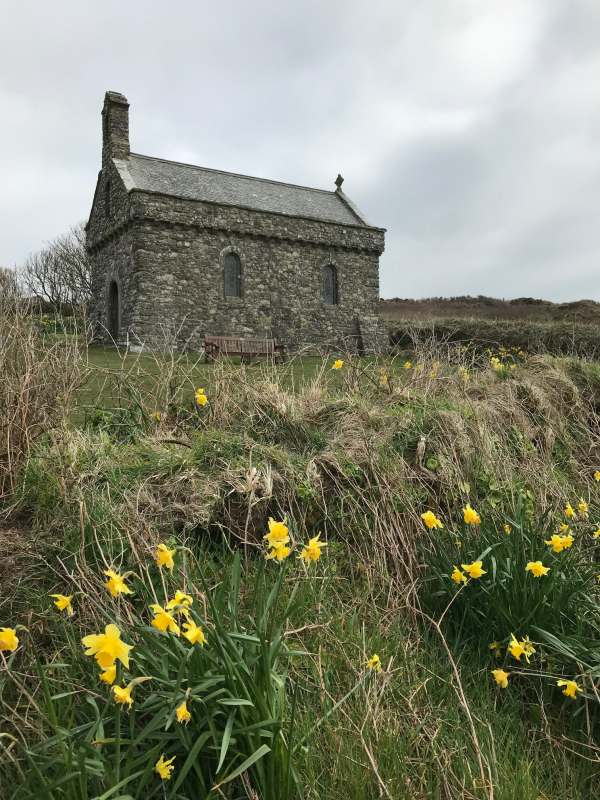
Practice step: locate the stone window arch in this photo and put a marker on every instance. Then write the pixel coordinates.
(113, 310)
(232, 273)
(330, 285)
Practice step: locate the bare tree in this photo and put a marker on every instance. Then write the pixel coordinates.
(60, 273)
(9, 284)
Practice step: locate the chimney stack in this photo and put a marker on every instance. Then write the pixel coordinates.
(115, 127)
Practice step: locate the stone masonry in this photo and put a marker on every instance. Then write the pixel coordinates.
(159, 234)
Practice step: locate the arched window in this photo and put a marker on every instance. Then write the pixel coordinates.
(107, 198)
(232, 275)
(113, 316)
(330, 285)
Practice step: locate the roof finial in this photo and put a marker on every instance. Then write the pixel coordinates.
(338, 181)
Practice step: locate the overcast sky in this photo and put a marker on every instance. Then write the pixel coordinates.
(470, 129)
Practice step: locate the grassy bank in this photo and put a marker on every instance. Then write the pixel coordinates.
(357, 455)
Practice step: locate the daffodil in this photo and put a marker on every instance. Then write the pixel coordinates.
(109, 675)
(582, 507)
(557, 542)
(182, 713)
(63, 603)
(501, 678)
(164, 557)
(164, 620)
(107, 647)
(537, 569)
(458, 576)
(474, 570)
(193, 633)
(200, 397)
(312, 551)
(529, 649)
(407, 365)
(122, 695)
(279, 552)
(8, 639)
(506, 528)
(570, 688)
(570, 511)
(496, 648)
(564, 528)
(157, 416)
(596, 533)
(337, 364)
(180, 601)
(374, 663)
(430, 520)
(116, 583)
(597, 475)
(470, 516)
(568, 541)
(164, 768)
(516, 648)
(278, 533)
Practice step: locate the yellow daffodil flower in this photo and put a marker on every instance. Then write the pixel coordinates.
(596, 533)
(474, 570)
(193, 633)
(279, 552)
(180, 601)
(571, 688)
(496, 648)
(63, 603)
(597, 475)
(116, 583)
(278, 533)
(564, 528)
(570, 511)
(537, 569)
(107, 647)
(559, 543)
(164, 557)
(582, 507)
(407, 365)
(122, 695)
(458, 576)
(182, 713)
(163, 620)
(430, 520)
(8, 639)
(470, 516)
(109, 675)
(528, 648)
(374, 663)
(164, 768)
(312, 551)
(157, 416)
(501, 678)
(516, 648)
(337, 364)
(200, 397)
(506, 528)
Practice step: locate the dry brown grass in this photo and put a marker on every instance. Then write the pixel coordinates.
(37, 381)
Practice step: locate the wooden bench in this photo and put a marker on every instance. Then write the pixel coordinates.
(216, 346)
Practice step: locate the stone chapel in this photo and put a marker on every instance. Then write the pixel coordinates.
(180, 252)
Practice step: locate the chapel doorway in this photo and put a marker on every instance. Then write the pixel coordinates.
(113, 311)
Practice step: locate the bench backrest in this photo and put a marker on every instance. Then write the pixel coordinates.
(235, 345)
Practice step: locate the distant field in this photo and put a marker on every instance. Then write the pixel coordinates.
(526, 308)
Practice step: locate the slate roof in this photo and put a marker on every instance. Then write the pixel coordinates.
(211, 185)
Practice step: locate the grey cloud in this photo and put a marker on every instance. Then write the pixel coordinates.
(470, 130)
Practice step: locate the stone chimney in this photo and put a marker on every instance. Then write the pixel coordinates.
(115, 127)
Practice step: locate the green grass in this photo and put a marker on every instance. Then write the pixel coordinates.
(337, 453)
